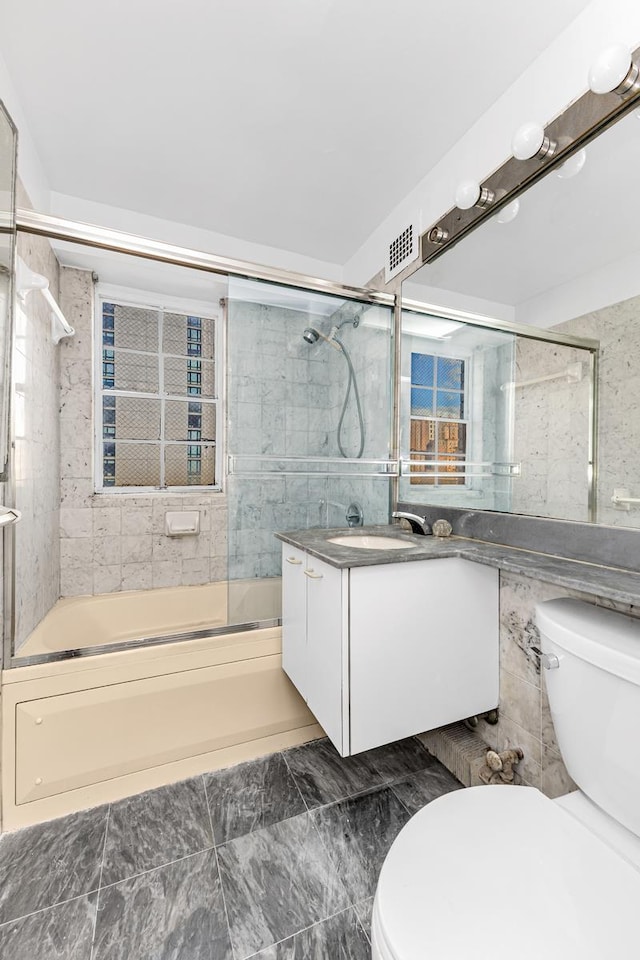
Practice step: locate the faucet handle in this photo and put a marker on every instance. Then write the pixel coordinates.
(355, 515)
(547, 660)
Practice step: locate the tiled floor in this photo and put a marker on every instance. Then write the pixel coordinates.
(276, 859)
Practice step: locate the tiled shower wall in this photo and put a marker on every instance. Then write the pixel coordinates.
(525, 719)
(117, 542)
(285, 397)
(369, 349)
(37, 450)
(551, 432)
(618, 329)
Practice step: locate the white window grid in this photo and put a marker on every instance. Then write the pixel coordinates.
(125, 298)
(443, 480)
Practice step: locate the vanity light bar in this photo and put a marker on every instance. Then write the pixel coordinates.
(537, 149)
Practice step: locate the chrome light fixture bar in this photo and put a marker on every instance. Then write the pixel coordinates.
(614, 90)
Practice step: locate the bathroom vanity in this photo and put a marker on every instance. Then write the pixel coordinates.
(386, 643)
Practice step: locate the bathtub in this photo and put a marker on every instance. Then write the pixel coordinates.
(77, 623)
(85, 730)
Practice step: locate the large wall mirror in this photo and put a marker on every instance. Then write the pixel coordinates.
(8, 147)
(568, 262)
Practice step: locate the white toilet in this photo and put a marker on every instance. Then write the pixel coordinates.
(497, 872)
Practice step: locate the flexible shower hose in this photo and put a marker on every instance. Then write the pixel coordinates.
(352, 382)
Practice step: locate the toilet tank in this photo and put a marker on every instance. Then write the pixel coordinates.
(594, 694)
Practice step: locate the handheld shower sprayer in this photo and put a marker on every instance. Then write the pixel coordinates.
(312, 335)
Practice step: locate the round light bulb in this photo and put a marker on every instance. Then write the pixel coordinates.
(527, 141)
(467, 194)
(508, 213)
(572, 166)
(610, 68)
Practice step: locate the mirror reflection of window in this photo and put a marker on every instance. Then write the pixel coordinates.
(438, 428)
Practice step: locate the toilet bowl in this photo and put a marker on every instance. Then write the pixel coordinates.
(497, 872)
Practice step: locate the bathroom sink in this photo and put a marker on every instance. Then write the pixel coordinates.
(369, 542)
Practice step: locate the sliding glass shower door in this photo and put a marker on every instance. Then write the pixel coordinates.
(309, 398)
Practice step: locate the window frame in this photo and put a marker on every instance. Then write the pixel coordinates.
(418, 478)
(129, 297)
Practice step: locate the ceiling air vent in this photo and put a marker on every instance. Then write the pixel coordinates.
(402, 251)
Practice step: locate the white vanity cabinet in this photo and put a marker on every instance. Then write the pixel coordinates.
(386, 651)
(313, 652)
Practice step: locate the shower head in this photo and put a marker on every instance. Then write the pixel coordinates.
(311, 335)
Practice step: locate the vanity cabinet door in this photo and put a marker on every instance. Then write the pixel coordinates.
(294, 617)
(424, 642)
(327, 649)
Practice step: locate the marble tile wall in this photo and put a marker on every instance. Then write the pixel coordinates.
(551, 433)
(525, 719)
(37, 450)
(112, 542)
(369, 349)
(284, 400)
(618, 330)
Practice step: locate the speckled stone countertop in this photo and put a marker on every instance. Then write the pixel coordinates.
(608, 582)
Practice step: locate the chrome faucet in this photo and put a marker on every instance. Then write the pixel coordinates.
(418, 524)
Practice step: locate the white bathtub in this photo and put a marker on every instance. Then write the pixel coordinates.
(80, 622)
(81, 731)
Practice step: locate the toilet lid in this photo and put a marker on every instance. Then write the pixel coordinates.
(500, 872)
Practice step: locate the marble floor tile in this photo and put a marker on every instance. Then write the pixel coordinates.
(323, 776)
(45, 864)
(154, 828)
(175, 912)
(63, 932)
(364, 909)
(277, 881)
(251, 796)
(424, 786)
(358, 833)
(338, 938)
(396, 760)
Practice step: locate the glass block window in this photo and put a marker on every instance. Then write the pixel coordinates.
(438, 432)
(158, 408)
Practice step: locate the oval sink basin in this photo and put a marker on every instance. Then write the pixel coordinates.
(370, 542)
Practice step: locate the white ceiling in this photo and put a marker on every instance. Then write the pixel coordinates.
(566, 230)
(293, 123)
